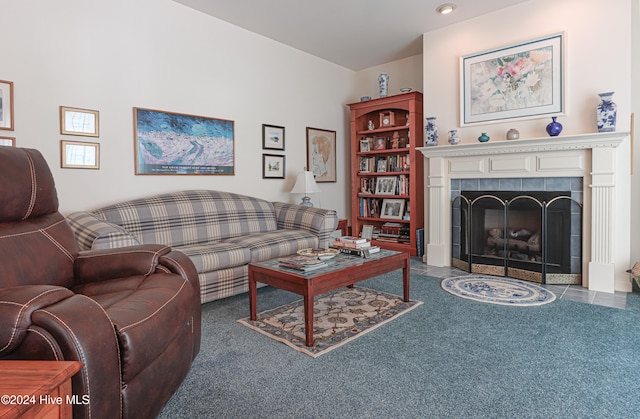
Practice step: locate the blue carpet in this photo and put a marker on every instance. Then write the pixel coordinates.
(448, 358)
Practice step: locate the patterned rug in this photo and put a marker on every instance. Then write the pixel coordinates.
(339, 317)
(498, 290)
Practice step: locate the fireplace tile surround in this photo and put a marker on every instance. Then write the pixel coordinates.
(600, 162)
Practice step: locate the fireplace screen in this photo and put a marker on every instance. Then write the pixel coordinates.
(535, 236)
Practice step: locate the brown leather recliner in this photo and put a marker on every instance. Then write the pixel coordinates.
(131, 315)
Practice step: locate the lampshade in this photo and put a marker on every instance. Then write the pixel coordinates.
(305, 184)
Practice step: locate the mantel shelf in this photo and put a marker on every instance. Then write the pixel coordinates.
(530, 145)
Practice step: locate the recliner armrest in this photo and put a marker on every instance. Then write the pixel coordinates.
(101, 265)
(16, 306)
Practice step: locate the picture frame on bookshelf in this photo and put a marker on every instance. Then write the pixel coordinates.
(367, 232)
(366, 144)
(380, 143)
(386, 185)
(365, 164)
(392, 208)
(382, 163)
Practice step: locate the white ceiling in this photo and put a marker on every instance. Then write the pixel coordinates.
(355, 34)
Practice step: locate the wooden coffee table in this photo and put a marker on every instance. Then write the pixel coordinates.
(343, 270)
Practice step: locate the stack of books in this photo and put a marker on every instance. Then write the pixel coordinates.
(357, 246)
(390, 232)
(301, 263)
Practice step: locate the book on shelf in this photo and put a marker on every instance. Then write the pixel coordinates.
(301, 263)
(420, 242)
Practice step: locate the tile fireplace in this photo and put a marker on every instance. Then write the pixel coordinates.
(591, 177)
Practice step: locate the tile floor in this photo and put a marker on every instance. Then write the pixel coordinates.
(568, 292)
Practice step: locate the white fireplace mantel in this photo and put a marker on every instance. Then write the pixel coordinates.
(601, 159)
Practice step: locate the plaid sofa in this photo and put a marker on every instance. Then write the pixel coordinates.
(221, 232)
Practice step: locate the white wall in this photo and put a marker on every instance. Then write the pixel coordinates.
(115, 55)
(402, 73)
(598, 40)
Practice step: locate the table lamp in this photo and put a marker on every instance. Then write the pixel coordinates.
(305, 184)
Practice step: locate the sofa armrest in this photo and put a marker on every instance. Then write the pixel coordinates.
(104, 264)
(17, 304)
(321, 222)
(92, 232)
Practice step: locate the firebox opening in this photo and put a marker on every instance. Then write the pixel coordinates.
(535, 236)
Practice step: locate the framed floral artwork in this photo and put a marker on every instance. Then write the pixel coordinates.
(513, 82)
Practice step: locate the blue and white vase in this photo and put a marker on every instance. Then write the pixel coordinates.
(430, 132)
(383, 81)
(606, 112)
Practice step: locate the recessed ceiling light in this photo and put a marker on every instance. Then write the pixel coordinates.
(445, 9)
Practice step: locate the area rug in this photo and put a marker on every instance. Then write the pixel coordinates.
(498, 290)
(339, 317)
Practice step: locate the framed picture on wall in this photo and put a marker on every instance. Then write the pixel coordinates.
(6, 105)
(8, 141)
(170, 143)
(272, 137)
(515, 81)
(272, 166)
(76, 121)
(79, 155)
(321, 154)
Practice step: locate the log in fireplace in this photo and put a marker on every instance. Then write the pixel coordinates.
(534, 235)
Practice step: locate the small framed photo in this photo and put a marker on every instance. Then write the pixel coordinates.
(6, 105)
(272, 137)
(382, 164)
(8, 141)
(321, 154)
(381, 143)
(392, 208)
(76, 121)
(272, 166)
(364, 145)
(79, 155)
(386, 185)
(367, 232)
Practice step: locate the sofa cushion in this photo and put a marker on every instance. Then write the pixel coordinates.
(191, 217)
(212, 256)
(275, 244)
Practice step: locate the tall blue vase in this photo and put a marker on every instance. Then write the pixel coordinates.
(554, 128)
(606, 112)
(430, 132)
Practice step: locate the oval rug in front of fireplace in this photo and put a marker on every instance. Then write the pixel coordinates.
(498, 290)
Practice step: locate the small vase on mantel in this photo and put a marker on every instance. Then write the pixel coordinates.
(606, 112)
(430, 132)
(554, 128)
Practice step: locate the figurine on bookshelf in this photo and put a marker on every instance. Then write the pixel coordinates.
(395, 140)
(370, 125)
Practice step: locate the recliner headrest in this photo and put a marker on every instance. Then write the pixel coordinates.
(27, 188)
